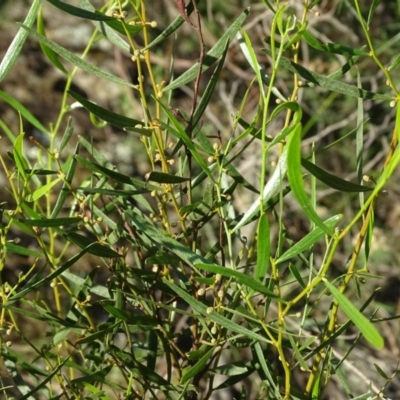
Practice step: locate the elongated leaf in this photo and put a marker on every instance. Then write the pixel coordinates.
(211, 56)
(309, 240)
(263, 248)
(331, 180)
(114, 174)
(332, 47)
(79, 12)
(15, 47)
(249, 53)
(77, 61)
(111, 117)
(19, 157)
(113, 192)
(201, 309)
(273, 184)
(296, 179)
(50, 54)
(162, 177)
(329, 83)
(130, 317)
(49, 377)
(175, 24)
(66, 186)
(69, 130)
(241, 278)
(197, 368)
(48, 223)
(36, 282)
(23, 111)
(92, 247)
(374, 5)
(205, 99)
(21, 250)
(368, 330)
(37, 194)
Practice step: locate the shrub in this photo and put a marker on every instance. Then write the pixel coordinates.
(219, 254)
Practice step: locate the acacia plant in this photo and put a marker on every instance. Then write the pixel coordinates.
(235, 262)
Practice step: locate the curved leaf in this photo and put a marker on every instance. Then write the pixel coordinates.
(365, 326)
(331, 180)
(296, 179)
(79, 12)
(77, 61)
(308, 240)
(211, 56)
(15, 47)
(329, 83)
(112, 118)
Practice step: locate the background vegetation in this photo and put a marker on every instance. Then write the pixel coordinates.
(200, 202)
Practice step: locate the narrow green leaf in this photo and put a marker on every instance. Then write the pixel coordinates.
(63, 193)
(79, 12)
(114, 174)
(37, 194)
(296, 179)
(368, 330)
(162, 177)
(226, 323)
(18, 153)
(263, 248)
(381, 372)
(205, 99)
(198, 367)
(374, 5)
(332, 47)
(243, 279)
(398, 120)
(23, 251)
(342, 71)
(331, 180)
(50, 223)
(41, 172)
(77, 61)
(299, 357)
(50, 54)
(113, 192)
(23, 111)
(99, 335)
(273, 184)
(295, 272)
(69, 130)
(395, 63)
(175, 24)
(211, 56)
(15, 47)
(237, 177)
(92, 247)
(36, 282)
(130, 317)
(49, 377)
(329, 83)
(250, 55)
(111, 117)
